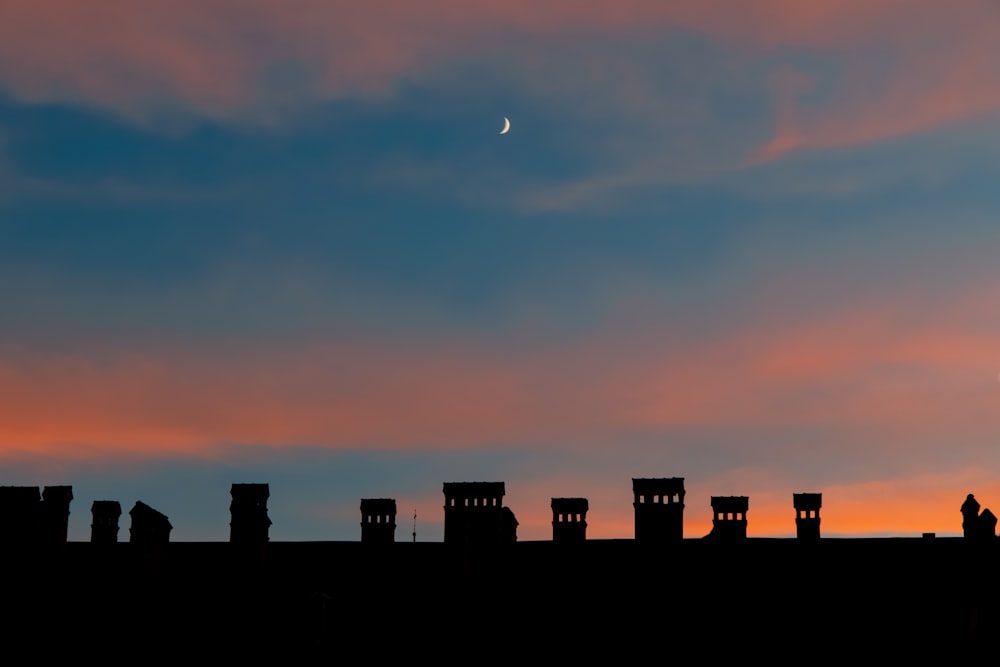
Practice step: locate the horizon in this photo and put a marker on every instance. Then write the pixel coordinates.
(356, 251)
(79, 531)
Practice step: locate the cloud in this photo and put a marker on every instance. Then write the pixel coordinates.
(902, 67)
(938, 76)
(860, 369)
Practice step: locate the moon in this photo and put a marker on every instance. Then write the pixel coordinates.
(506, 126)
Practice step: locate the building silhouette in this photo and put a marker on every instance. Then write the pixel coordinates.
(248, 522)
(149, 527)
(20, 507)
(987, 524)
(378, 520)
(28, 517)
(104, 521)
(807, 506)
(474, 514)
(939, 593)
(970, 516)
(730, 517)
(976, 526)
(659, 509)
(569, 519)
(54, 519)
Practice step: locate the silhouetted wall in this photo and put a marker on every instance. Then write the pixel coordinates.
(248, 520)
(474, 514)
(977, 526)
(730, 517)
(55, 514)
(987, 524)
(807, 506)
(378, 520)
(508, 526)
(659, 509)
(149, 527)
(104, 521)
(30, 518)
(569, 519)
(20, 507)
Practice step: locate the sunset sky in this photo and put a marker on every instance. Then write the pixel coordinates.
(753, 244)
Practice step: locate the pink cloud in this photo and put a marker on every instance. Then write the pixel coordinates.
(861, 367)
(939, 75)
(908, 66)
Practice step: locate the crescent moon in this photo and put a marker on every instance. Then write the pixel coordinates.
(506, 126)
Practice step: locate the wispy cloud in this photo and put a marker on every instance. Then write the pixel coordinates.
(903, 67)
(861, 368)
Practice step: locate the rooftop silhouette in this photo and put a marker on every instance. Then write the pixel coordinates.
(569, 519)
(659, 509)
(294, 593)
(474, 514)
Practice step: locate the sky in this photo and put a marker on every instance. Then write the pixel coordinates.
(755, 245)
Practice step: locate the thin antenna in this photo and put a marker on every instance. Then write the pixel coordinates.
(414, 525)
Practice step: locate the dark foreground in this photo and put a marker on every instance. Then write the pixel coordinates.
(532, 601)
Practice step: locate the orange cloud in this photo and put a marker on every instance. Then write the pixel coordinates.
(908, 65)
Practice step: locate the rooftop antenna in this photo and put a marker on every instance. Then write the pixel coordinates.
(414, 526)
